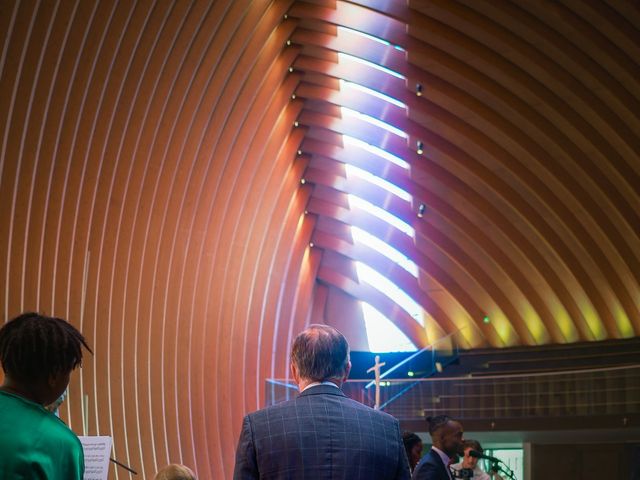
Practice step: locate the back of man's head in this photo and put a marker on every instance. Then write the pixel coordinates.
(436, 423)
(320, 353)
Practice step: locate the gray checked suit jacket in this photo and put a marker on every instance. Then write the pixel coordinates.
(320, 435)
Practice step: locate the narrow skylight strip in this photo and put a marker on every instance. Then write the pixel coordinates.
(365, 35)
(384, 285)
(353, 171)
(376, 151)
(345, 84)
(365, 238)
(382, 335)
(381, 214)
(353, 58)
(348, 112)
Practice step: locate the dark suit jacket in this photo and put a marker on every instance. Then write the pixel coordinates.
(430, 467)
(320, 435)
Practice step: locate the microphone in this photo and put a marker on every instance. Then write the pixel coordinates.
(476, 454)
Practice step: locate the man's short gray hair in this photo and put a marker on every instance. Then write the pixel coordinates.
(320, 352)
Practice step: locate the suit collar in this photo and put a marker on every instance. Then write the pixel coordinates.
(438, 460)
(322, 390)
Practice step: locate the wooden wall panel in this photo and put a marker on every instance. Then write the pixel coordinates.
(150, 179)
(150, 163)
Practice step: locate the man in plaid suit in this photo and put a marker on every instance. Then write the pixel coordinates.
(321, 434)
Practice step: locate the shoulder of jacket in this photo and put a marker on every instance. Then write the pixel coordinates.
(266, 411)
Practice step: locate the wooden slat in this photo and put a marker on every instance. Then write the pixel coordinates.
(150, 188)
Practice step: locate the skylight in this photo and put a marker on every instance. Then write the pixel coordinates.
(385, 249)
(382, 334)
(346, 56)
(375, 150)
(365, 35)
(347, 85)
(384, 285)
(381, 214)
(353, 171)
(347, 112)
(371, 37)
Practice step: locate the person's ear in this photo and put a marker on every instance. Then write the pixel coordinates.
(294, 372)
(347, 371)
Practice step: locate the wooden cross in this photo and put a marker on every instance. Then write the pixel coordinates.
(376, 370)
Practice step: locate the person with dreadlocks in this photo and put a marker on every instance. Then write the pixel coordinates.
(447, 436)
(37, 354)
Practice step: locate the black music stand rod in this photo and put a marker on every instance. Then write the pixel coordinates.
(123, 466)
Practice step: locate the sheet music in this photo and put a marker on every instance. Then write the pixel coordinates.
(97, 451)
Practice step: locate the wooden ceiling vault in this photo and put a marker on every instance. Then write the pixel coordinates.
(173, 181)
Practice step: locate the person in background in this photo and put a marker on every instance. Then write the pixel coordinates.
(55, 406)
(471, 463)
(175, 471)
(413, 447)
(38, 354)
(447, 437)
(321, 434)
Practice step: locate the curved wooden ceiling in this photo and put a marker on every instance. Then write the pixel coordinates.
(150, 181)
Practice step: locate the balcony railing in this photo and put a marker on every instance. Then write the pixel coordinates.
(595, 391)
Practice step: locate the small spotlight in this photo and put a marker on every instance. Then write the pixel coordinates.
(306, 212)
(293, 96)
(439, 367)
(419, 147)
(288, 42)
(486, 319)
(296, 124)
(421, 210)
(311, 244)
(290, 69)
(418, 89)
(410, 373)
(299, 152)
(303, 181)
(286, 16)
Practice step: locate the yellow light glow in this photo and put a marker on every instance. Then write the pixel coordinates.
(623, 322)
(563, 320)
(503, 327)
(535, 325)
(593, 320)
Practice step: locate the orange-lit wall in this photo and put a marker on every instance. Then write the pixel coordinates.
(150, 190)
(150, 194)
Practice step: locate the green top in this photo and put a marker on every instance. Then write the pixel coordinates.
(36, 444)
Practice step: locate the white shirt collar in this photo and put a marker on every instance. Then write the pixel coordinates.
(315, 384)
